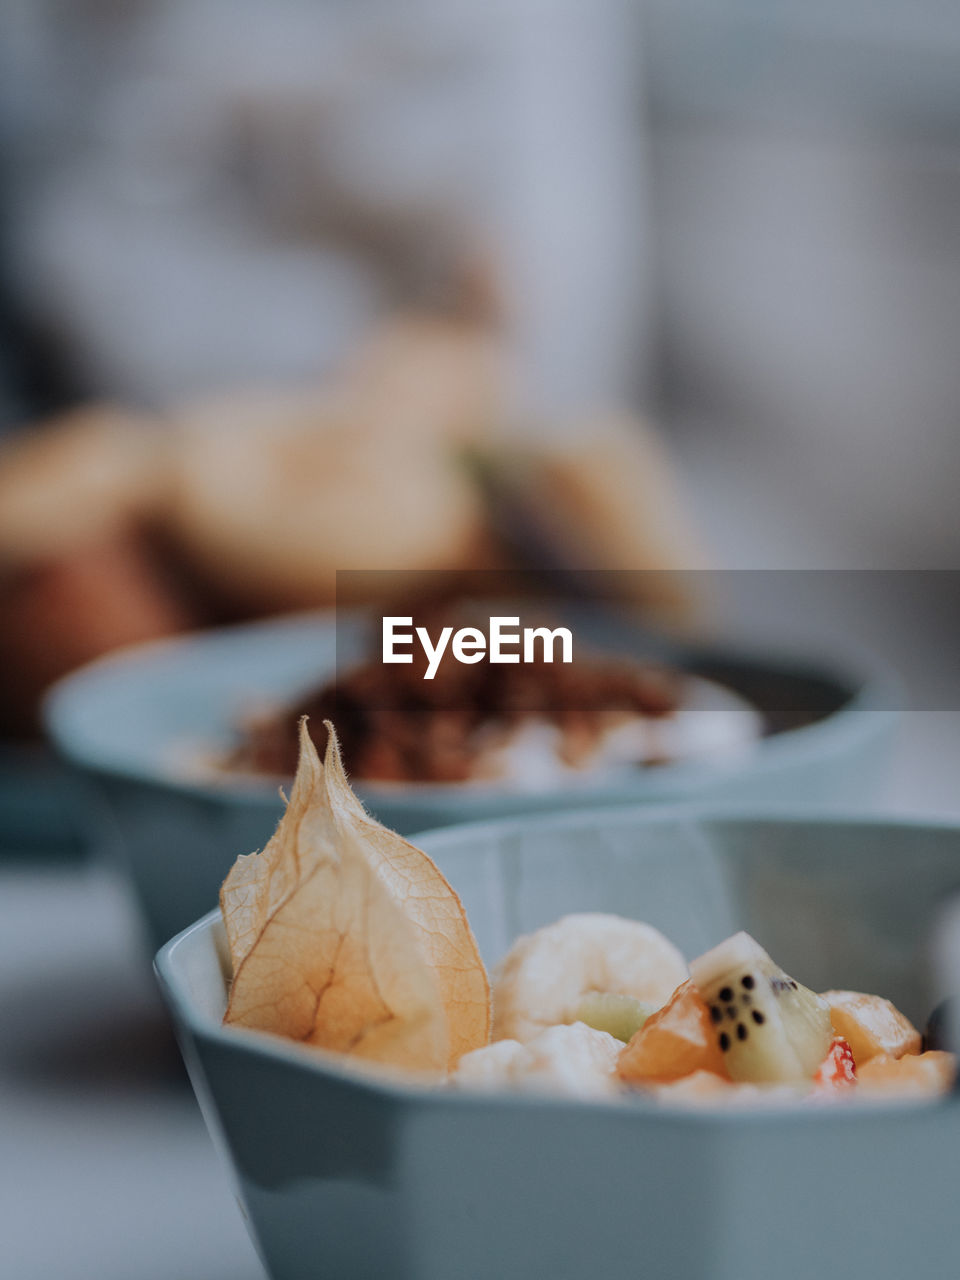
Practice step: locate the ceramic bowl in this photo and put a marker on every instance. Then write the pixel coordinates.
(343, 1176)
(138, 723)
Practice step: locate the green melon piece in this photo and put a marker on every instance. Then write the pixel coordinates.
(620, 1015)
(769, 1027)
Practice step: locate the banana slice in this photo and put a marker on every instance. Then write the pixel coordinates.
(575, 1061)
(544, 978)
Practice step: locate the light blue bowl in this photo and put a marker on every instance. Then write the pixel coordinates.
(341, 1176)
(129, 721)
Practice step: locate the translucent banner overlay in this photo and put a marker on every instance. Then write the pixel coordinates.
(540, 679)
(894, 630)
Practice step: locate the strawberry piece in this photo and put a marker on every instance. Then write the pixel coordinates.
(838, 1069)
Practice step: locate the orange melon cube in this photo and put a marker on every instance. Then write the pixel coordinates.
(700, 1087)
(676, 1041)
(871, 1025)
(920, 1074)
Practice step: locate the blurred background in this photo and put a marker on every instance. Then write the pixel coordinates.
(350, 243)
(284, 284)
(740, 216)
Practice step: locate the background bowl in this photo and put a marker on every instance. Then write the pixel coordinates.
(345, 1176)
(143, 725)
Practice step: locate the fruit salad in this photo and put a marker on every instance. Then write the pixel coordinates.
(581, 1008)
(345, 937)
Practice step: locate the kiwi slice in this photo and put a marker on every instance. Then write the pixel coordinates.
(770, 1029)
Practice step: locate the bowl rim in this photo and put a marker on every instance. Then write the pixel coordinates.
(389, 1089)
(875, 688)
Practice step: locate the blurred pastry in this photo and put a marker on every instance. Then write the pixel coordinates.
(75, 479)
(79, 573)
(606, 497)
(61, 612)
(115, 527)
(431, 376)
(273, 496)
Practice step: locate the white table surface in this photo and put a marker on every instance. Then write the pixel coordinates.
(106, 1170)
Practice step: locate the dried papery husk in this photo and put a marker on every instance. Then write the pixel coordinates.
(345, 936)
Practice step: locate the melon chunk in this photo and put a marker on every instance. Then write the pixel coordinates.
(676, 1041)
(769, 1028)
(871, 1025)
(920, 1074)
(700, 1087)
(619, 1015)
(704, 1089)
